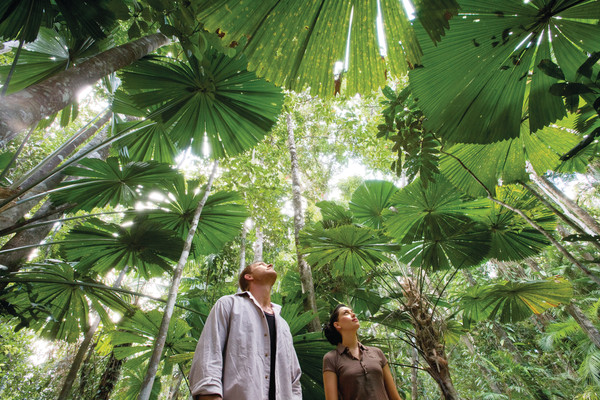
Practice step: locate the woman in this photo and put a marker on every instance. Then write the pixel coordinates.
(354, 371)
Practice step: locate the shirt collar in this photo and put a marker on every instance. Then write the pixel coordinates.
(341, 349)
(276, 307)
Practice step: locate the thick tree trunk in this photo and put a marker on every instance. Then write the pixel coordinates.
(10, 216)
(258, 245)
(109, 378)
(308, 287)
(584, 322)
(161, 337)
(83, 348)
(428, 338)
(21, 110)
(588, 221)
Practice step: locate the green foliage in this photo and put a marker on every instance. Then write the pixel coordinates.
(370, 200)
(144, 246)
(111, 182)
(473, 85)
(218, 101)
(49, 299)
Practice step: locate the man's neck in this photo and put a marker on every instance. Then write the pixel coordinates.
(262, 294)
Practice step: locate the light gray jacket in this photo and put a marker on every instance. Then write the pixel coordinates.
(233, 358)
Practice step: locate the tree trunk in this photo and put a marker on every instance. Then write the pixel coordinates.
(414, 377)
(308, 287)
(174, 389)
(588, 221)
(10, 216)
(109, 378)
(15, 259)
(584, 322)
(161, 337)
(21, 110)
(428, 338)
(258, 245)
(468, 341)
(243, 248)
(68, 383)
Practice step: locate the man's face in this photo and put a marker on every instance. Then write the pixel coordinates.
(264, 273)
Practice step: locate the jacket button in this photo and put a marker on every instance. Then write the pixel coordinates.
(265, 335)
(266, 354)
(266, 376)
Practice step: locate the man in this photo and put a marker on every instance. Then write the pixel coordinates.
(245, 351)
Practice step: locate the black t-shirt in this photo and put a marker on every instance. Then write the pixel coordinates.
(273, 336)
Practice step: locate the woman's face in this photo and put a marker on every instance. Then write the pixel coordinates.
(346, 320)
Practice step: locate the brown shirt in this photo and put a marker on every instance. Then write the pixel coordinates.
(357, 379)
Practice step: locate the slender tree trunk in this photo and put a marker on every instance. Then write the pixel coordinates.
(258, 245)
(308, 287)
(12, 215)
(584, 322)
(14, 259)
(22, 109)
(70, 379)
(414, 377)
(243, 248)
(161, 337)
(588, 221)
(174, 389)
(468, 341)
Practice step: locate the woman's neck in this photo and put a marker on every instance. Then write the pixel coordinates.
(350, 340)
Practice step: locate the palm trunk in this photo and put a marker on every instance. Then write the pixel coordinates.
(10, 216)
(109, 378)
(308, 287)
(21, 110)
(258, 245)
(83, 348)
(161, 337)
(428, 338)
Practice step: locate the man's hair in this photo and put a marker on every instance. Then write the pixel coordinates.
(244, 284)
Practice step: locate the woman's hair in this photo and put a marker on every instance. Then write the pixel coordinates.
(331, 334)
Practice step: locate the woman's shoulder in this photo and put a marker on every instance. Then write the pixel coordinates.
(330, 355)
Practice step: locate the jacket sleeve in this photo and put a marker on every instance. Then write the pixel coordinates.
(207, 366)
(296, 374)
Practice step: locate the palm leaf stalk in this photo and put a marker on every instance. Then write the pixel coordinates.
(532, 223)
(161, 337)
(28, 106)
(83, 348)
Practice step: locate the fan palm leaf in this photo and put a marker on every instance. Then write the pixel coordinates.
(369, 201)
(140, 331)
(505, 160)
(513, 238)
(22, 19)
(348, 248)
(221, 220)
(110, 182)
(473, 86)
(334, 214)
(145, 246)
(296, 44)
(219, 99)
(50, 300)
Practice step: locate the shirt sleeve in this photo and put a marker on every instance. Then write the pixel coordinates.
(382, 358)
(329, 362)
(296, 386)
(207, 365)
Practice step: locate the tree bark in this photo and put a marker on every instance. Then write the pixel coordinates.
(258, 245)
(308, 287)
(83, 348)
(109, 378)
(584, 322)
(23, 109)
(588, 221)
(161, 337)
(243, 248)
(10, 216)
